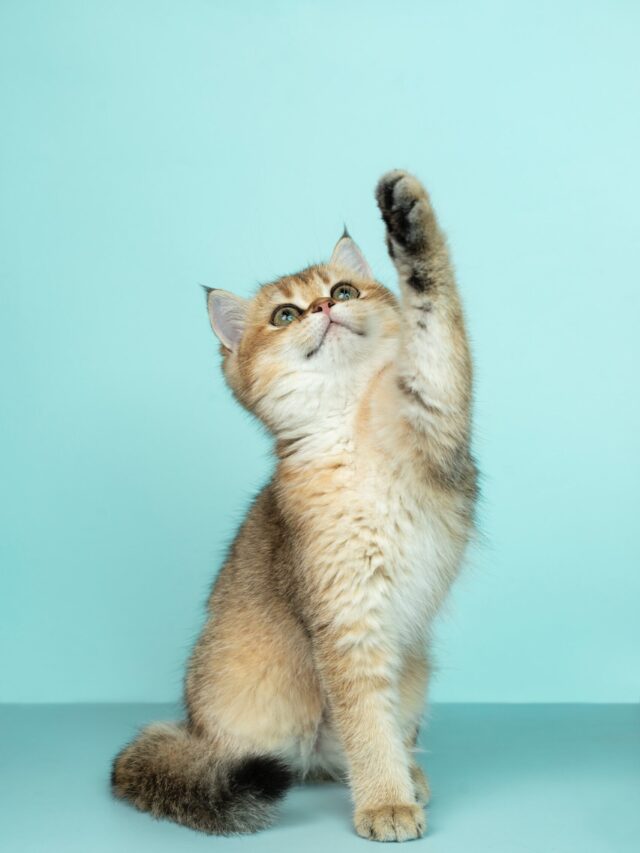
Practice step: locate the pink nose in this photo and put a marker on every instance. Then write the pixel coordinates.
(323, 305)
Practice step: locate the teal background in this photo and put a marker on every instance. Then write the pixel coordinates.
(149, 146)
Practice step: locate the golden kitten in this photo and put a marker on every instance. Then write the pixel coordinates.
(313, 662)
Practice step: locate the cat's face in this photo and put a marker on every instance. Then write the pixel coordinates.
(307, 344)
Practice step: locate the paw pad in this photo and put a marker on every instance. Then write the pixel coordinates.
(406, 211)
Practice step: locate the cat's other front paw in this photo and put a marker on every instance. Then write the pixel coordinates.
(401, 822)
(421, 785)
(406, 211)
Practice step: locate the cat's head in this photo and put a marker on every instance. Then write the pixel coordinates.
(306, 345)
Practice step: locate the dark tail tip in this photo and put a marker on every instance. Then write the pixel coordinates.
(266, 777)
(172, 774)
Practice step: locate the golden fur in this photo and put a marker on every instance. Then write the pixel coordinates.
(314, 658)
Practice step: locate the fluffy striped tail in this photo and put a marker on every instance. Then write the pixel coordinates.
(171, 773)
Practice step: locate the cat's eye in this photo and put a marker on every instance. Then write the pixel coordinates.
(342, 291)
(285, 314)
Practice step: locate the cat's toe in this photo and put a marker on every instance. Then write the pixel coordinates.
(406, 210)
(402, 822)
(385, 189)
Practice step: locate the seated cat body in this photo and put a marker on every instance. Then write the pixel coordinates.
(313, 662)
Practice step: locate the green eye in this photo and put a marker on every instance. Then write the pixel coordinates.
(285, 314)
(342, 291)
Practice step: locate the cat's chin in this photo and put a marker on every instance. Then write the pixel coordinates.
(335, 327)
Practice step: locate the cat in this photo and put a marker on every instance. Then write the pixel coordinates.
(314, 660)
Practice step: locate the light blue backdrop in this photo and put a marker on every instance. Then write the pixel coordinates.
(149, 146)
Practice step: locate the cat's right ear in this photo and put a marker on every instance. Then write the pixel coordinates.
(227, 314)
(346, 253)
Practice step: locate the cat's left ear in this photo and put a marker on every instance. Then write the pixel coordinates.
(347, 254)
(227, 314)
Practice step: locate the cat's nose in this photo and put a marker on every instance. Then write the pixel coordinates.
(323, 304)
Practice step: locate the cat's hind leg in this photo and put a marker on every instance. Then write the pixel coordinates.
(253, 711)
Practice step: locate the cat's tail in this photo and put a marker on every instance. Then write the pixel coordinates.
(171, 773)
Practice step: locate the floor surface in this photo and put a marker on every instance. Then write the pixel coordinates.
(539, 778)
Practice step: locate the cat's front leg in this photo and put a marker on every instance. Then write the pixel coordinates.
(433, 370)
(361, 694)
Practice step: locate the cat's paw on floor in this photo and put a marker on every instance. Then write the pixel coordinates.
(406, 211)
(401, 822)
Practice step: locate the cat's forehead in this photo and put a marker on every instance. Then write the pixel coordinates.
(300, 289)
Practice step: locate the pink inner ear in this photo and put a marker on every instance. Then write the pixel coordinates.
(227, 314)
(347, 254)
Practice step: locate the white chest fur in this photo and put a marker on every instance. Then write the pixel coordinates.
(418, 550)
(384, 554)
(383, 545)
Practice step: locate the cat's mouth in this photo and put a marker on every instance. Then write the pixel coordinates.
(334, 323)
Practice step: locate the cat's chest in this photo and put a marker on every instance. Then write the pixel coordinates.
(381, 547)
(380, 550)
(412, 553)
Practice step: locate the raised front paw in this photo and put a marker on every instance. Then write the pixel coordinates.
(406, 211)
(398, 822)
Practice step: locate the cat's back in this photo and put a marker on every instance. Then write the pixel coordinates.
(258, 563)
(253, 546)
